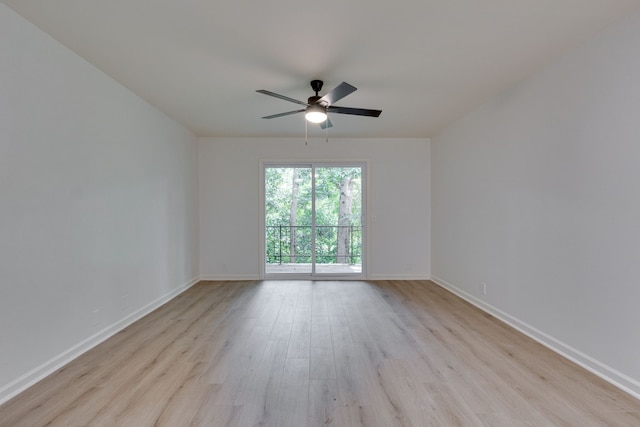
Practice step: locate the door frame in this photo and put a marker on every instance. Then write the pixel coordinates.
(364, 164)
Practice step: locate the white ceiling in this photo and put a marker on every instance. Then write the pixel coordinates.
(424, 63)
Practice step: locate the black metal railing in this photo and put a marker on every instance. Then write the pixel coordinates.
(286, 244)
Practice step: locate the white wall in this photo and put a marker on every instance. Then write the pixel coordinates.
(398, 198)
(537, 194)
(98, 205)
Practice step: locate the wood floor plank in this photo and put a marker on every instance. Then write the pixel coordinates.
(310, 353)
(286, 313)
(322, 363)
(323, 403)
(260, 391)
(300, 338)
(350, 371)
(293, 396)
(319, 300)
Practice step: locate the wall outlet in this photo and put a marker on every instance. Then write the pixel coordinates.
(225, 267)
(408, 267)
(124, 302)
(484, 288)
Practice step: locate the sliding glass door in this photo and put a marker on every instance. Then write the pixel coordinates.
(313, 220)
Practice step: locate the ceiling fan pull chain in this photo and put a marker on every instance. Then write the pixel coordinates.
(326, 130)
(306, 134)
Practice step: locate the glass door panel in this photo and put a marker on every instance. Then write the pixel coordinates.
(338, 213)
(288, 220)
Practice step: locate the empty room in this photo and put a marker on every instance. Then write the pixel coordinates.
(361, 213)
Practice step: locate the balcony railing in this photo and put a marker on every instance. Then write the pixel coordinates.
(286, 244)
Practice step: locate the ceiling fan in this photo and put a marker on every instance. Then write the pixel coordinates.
(317, 107)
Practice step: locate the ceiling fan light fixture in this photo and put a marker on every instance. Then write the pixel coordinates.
(315, 114)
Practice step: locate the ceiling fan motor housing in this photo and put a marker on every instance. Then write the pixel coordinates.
(316, 85)
(313, 100)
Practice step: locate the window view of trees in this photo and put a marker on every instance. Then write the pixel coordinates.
(288, 215)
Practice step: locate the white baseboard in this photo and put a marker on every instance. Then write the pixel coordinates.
(30, 378)
(397, 277)
(240, 277)
(607, 373)
(229, 277)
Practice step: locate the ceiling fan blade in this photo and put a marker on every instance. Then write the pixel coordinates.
(326, 124)
(336, 94)
(273, 116)
(277, 95)
(355, 111)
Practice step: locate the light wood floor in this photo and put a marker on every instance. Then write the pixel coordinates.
(301, 353)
